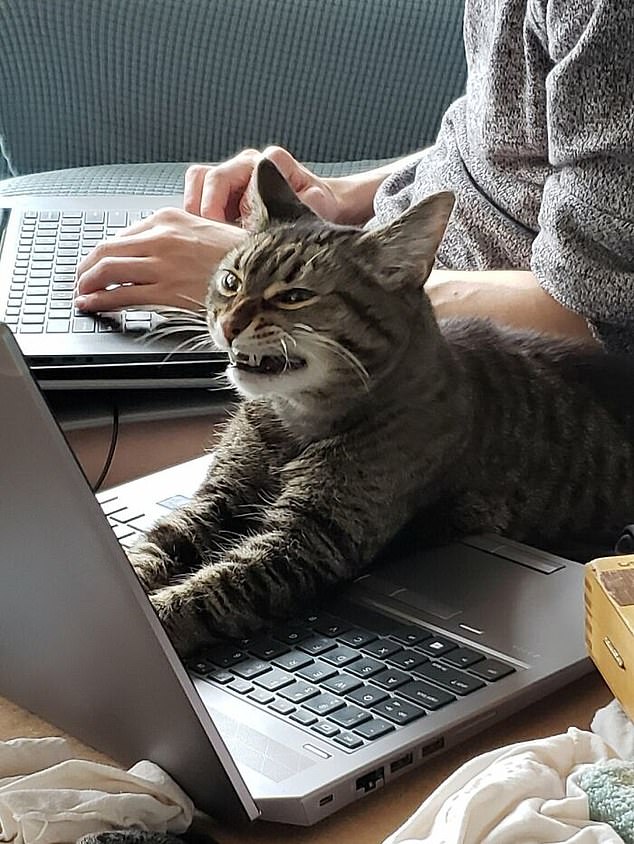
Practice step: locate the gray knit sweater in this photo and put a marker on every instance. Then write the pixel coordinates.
(540, 155)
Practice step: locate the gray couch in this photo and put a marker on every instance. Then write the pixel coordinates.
(103, 96)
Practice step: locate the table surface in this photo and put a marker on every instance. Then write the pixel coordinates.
(371, 820)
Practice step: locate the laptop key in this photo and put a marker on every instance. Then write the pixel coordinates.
(374, 729)
(349, 741)
(33, 319)
(407, 659)
(205, 667)
(367, 696)
(437, 646)
(341, 684)
(366, 667)
(292, 661)
(82, 325)
(317, 645)
(223, 655)
(492, 670)
(391, 678)
(463, 657)
(326, 729)
(328, 625)
(261, 696)
(30, 329)
(289, 634)
(342, 655)
(324, 704)
(349, 717)
(356, 637)
(399, 711)
(274, 680)
(449, 678)
(29, 309)
(299, 692)
(306, 719)
(425, 695)
(266, 648)
(58, 326)
(317, 672)
(283, 707)
(381, 648)
(240, 686)
(251, 668)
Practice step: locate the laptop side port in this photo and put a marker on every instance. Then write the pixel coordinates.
(371, 780)
(433, 747)
(327, 799)
(403, 762)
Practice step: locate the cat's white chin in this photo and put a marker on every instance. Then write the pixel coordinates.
(256, 384)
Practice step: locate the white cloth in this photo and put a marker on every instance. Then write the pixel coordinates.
(525, 793)
(48, 797)
(615, 728)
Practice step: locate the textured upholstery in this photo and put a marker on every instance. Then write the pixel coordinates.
(93, 82)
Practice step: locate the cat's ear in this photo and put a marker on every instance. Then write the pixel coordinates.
(405, 249)
(272, 200)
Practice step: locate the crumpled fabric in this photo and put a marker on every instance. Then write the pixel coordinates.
(615, 728)
(49, 797)
(527, 792)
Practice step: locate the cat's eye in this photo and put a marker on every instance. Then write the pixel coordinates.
(228, 284)
(293, 298)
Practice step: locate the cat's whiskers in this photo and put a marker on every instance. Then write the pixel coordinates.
(338, 349)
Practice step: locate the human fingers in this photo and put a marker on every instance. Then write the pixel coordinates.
(224, 185)
(124, 296)
(115, 269)
(194, 181)
(124, 245)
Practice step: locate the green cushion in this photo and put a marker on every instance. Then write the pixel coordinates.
(119, 81)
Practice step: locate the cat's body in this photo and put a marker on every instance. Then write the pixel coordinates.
(466, 426)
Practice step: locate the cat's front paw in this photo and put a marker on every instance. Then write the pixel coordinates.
(181, 622)
(149, 564)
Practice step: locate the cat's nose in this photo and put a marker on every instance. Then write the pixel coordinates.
(232, 326)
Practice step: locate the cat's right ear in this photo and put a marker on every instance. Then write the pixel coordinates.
(405, 249)
(272, 200)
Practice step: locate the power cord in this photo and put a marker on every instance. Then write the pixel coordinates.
(111, 450)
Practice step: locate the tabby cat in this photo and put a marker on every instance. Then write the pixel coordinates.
(361, 412)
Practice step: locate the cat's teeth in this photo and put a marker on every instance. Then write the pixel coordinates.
(233, 358)
(254, 359)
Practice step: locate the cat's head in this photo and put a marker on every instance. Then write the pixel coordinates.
(309, 307)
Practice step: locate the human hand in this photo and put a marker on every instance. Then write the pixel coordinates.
(222, 192)
(165, 259)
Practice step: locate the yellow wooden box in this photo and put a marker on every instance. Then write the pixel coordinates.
(609, 601)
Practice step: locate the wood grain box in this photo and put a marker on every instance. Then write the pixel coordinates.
(609, 607)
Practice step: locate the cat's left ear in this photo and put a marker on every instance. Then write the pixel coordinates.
(405, 249)
(272, 200)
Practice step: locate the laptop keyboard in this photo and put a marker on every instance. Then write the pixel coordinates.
(50, 246)
(347, 684)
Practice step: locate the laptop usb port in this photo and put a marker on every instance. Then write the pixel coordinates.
(327, 799)
(401, 763)
(433, 747)
(370, 781)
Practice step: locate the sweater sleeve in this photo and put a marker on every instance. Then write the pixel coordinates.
(583, 254)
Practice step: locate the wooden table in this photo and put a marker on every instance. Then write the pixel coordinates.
(371, 820)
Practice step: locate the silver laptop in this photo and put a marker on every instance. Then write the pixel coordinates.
(42, 239)
(291, 725)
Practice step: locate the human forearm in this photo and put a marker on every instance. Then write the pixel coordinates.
(509, 297)
(355, 193)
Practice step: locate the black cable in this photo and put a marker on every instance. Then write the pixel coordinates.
(113, 444)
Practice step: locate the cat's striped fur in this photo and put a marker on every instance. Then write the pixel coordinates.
(364, 412)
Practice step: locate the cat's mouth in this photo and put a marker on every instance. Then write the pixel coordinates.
(266, 364)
